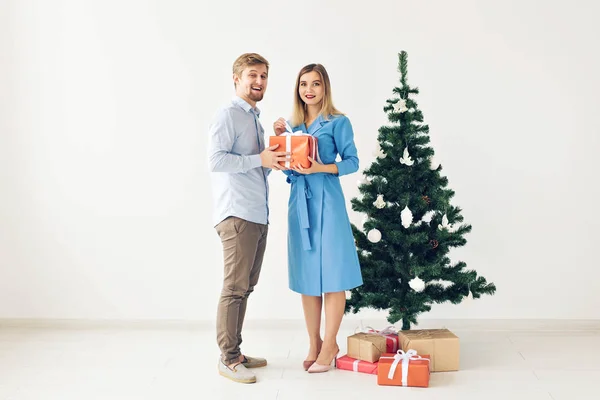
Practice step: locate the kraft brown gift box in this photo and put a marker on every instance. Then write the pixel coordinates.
(442, 346)
(366, 346)
(301, 147)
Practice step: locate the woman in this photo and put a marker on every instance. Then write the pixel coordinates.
(322, 257)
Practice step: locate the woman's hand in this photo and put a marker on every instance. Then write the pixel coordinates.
(279, 126)
(313, 169)
(316, 167)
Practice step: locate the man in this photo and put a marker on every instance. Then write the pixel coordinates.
(239, 165)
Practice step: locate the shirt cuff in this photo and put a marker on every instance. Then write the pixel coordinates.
(255, 161)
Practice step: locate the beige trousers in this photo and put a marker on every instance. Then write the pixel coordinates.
(244, 245)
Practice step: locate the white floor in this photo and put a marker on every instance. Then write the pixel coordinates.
(180, 363)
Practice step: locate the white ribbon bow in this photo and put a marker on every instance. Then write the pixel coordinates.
(390, 330)
(288, 145)
(288, 128)
(405, 358)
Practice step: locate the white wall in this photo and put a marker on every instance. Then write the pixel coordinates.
(105, 210)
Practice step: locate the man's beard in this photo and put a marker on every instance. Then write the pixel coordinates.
(256, 96)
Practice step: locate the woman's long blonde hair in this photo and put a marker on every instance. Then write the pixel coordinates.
(327, 107)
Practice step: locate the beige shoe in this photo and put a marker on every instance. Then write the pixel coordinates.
(318, 368)
(237, 373)
(254, 362)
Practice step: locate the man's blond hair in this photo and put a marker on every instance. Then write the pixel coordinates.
(247, 60)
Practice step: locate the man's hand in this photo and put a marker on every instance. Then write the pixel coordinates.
(279, 126)
(271, 159)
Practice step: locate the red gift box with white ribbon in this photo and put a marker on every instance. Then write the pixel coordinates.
(352, 364)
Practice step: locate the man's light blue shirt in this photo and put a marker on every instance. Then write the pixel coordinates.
(239, 182)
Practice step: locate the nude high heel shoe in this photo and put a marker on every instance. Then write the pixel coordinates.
(318, 368)
(306, 364)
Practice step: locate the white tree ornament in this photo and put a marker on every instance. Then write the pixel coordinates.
(379, 203)
(406, 160)
(400, 106)
(417, 284)
(445, 224)
(406, 217)
(374, 235)
(433, 163)
(468, 299)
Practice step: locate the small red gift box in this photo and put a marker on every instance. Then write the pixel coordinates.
(403, 369)
(301, 146)
(352, 364)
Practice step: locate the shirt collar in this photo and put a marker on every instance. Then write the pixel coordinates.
(245, 106)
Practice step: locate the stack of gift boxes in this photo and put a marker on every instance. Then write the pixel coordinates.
(401, 358)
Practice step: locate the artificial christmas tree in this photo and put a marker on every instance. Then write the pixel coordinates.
(410, 225)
